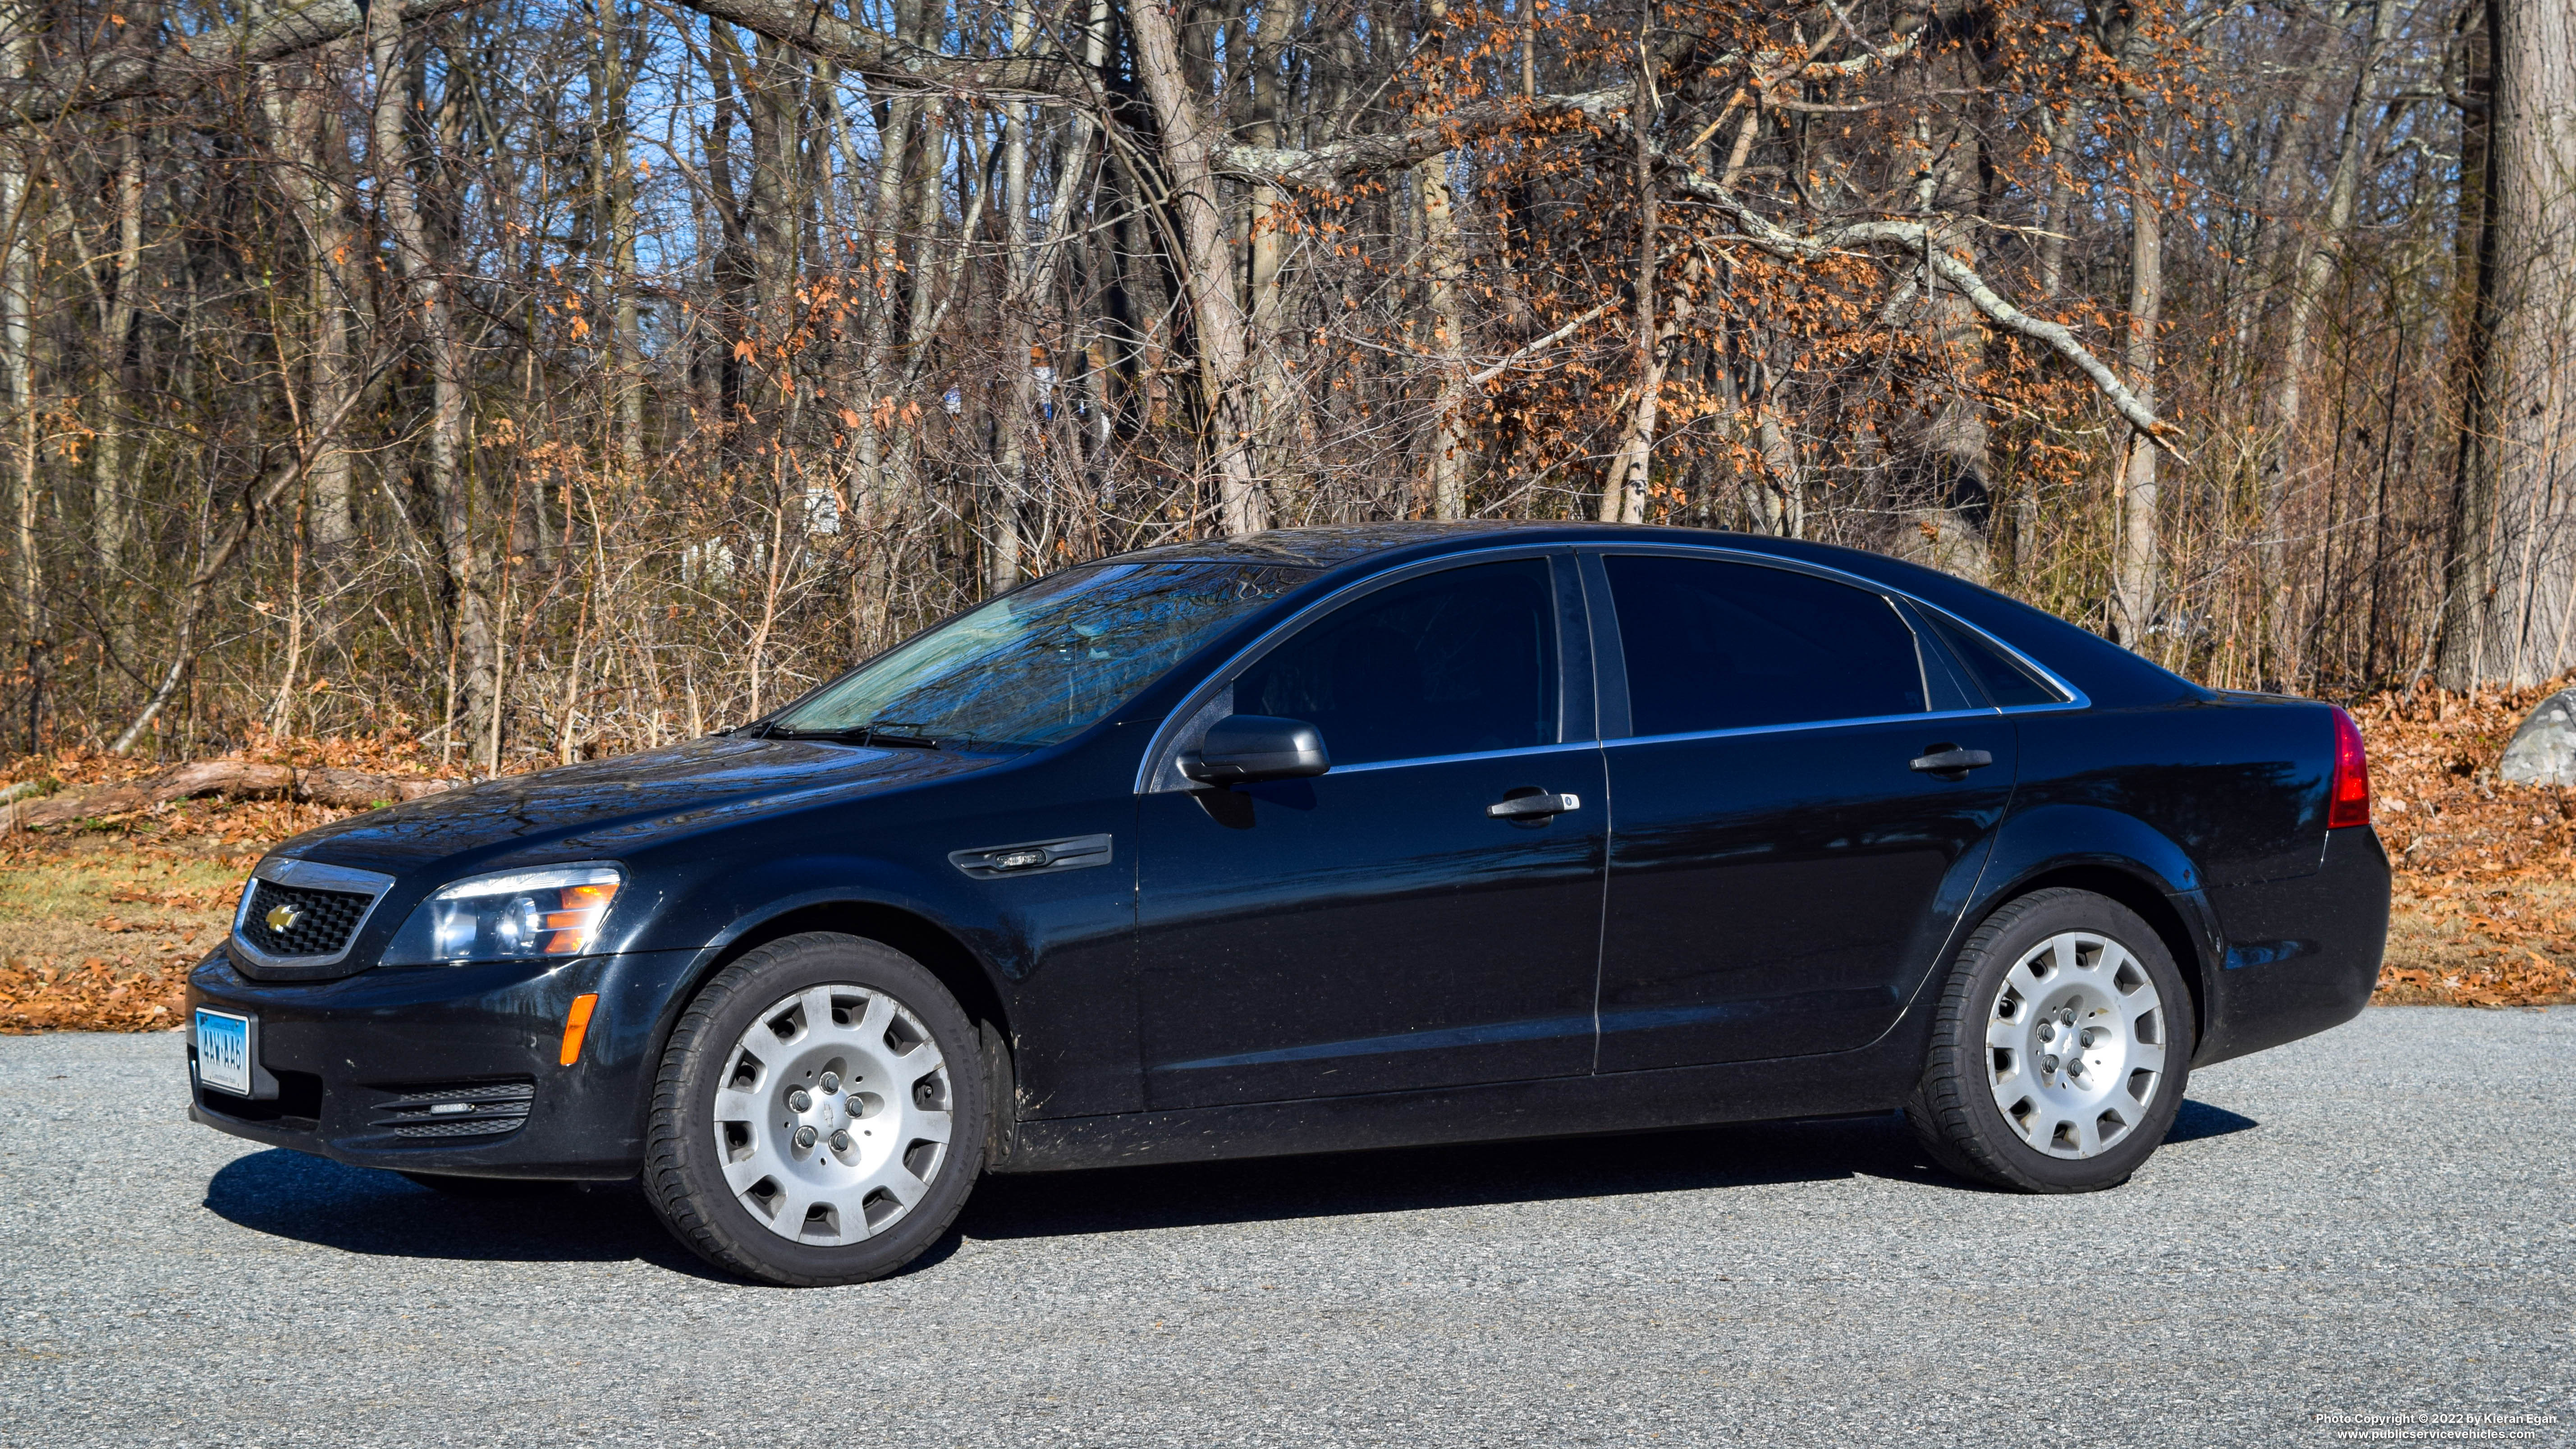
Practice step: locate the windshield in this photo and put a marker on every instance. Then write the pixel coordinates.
(1040, 664)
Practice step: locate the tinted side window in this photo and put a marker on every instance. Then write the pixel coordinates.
(2006, 682)
(1449, 664)
(1713, 645)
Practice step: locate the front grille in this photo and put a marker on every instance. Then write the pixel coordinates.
(475, 1109)
(318, 923)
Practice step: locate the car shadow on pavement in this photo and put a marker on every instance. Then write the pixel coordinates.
(1410, 1179)
(1478, 1175)
(361, 1210)
(2197, 1120)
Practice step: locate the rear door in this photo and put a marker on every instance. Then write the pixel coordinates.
(1781, 873)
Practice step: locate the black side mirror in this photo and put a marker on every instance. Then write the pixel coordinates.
(1242, 748)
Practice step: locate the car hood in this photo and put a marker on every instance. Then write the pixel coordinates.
(613, 806)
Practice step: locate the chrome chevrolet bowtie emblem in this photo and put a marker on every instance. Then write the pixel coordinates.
(282, 919)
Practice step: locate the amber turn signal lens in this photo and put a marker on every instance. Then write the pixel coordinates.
(577, 1025)
(570, 929)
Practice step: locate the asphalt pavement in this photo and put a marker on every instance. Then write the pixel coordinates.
(2371, 1222)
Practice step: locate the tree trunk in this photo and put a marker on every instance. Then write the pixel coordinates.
(451, 488)
(1003, 523)
(2514, 539)
(2136, 573)
(2316, 264)
(1445, 272)
(1274, 454)
(314, 176)
(1624, 499)
(1187, 136)
(613, 240)
(109, 488)
(17, 349)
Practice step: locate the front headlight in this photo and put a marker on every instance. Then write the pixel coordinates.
(513, 915)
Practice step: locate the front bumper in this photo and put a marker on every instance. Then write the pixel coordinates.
(449, 1069)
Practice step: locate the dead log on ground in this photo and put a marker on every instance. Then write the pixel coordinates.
(238, 779)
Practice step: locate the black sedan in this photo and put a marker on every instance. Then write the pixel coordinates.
(1325, 839)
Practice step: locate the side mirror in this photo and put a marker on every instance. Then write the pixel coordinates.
(1242, 748)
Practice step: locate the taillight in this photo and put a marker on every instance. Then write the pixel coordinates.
(2348, 798)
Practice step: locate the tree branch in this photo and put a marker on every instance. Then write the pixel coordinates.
(1918, 243)
(185, 65)
(192, 62)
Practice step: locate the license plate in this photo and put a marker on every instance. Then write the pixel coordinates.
(223, 1051)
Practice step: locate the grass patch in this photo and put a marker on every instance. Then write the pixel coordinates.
(98, 931)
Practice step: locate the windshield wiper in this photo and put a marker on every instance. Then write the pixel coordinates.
(875, 732)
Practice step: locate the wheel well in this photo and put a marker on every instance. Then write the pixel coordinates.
(2151, 906)
(941, 953)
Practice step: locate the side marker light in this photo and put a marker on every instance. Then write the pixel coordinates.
(577, 1025)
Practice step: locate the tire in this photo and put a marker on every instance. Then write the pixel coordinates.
(2002, 1101)
(820, 1114)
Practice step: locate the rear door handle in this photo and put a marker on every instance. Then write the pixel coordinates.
(1529, 807)
(1953, 762)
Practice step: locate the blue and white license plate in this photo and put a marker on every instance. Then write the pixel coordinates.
(223, 1051)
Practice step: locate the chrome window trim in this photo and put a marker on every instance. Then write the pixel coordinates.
(1157, 754)
(1558, 748)
(2074, 698)
(308, 875)
(1166, 741)
(1989, 712)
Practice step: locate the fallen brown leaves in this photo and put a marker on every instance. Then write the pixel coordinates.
(92, 996)
(2485, 912)
(102, 915)
(2485, 909)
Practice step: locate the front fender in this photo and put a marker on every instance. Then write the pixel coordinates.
(720, 913)
(1049, 951)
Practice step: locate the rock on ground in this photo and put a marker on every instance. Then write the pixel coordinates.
(2543, 751)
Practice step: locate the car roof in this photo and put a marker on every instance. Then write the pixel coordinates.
(2108, 673)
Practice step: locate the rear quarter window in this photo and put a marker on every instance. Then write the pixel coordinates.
(2006, 681)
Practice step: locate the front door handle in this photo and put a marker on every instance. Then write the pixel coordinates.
(1532, 807)
(1951, 762)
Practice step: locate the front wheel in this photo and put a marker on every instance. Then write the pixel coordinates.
(2060, 1049)
(820, 1114)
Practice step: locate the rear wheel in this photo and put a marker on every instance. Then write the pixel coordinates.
(820, 1114)
(2061, 1048)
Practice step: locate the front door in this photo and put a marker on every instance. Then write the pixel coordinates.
(1781, 875)
(1376, 928)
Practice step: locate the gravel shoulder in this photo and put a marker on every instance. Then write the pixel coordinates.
(2377, 1220)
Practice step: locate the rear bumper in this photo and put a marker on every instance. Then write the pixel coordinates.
(2302, 955)
(448, 1069)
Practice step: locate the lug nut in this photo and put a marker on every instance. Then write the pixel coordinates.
(831, 1082)
(840, 1142)
(2047, 1032)
(2088, 1036)
(799, 1100)
(2067, 1016)
(804, 1136)
(2048, 1064)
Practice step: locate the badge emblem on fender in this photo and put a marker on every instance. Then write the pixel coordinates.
(282, 919)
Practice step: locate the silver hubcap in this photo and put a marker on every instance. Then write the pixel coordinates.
(2075, 1044)
(832, 1119)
